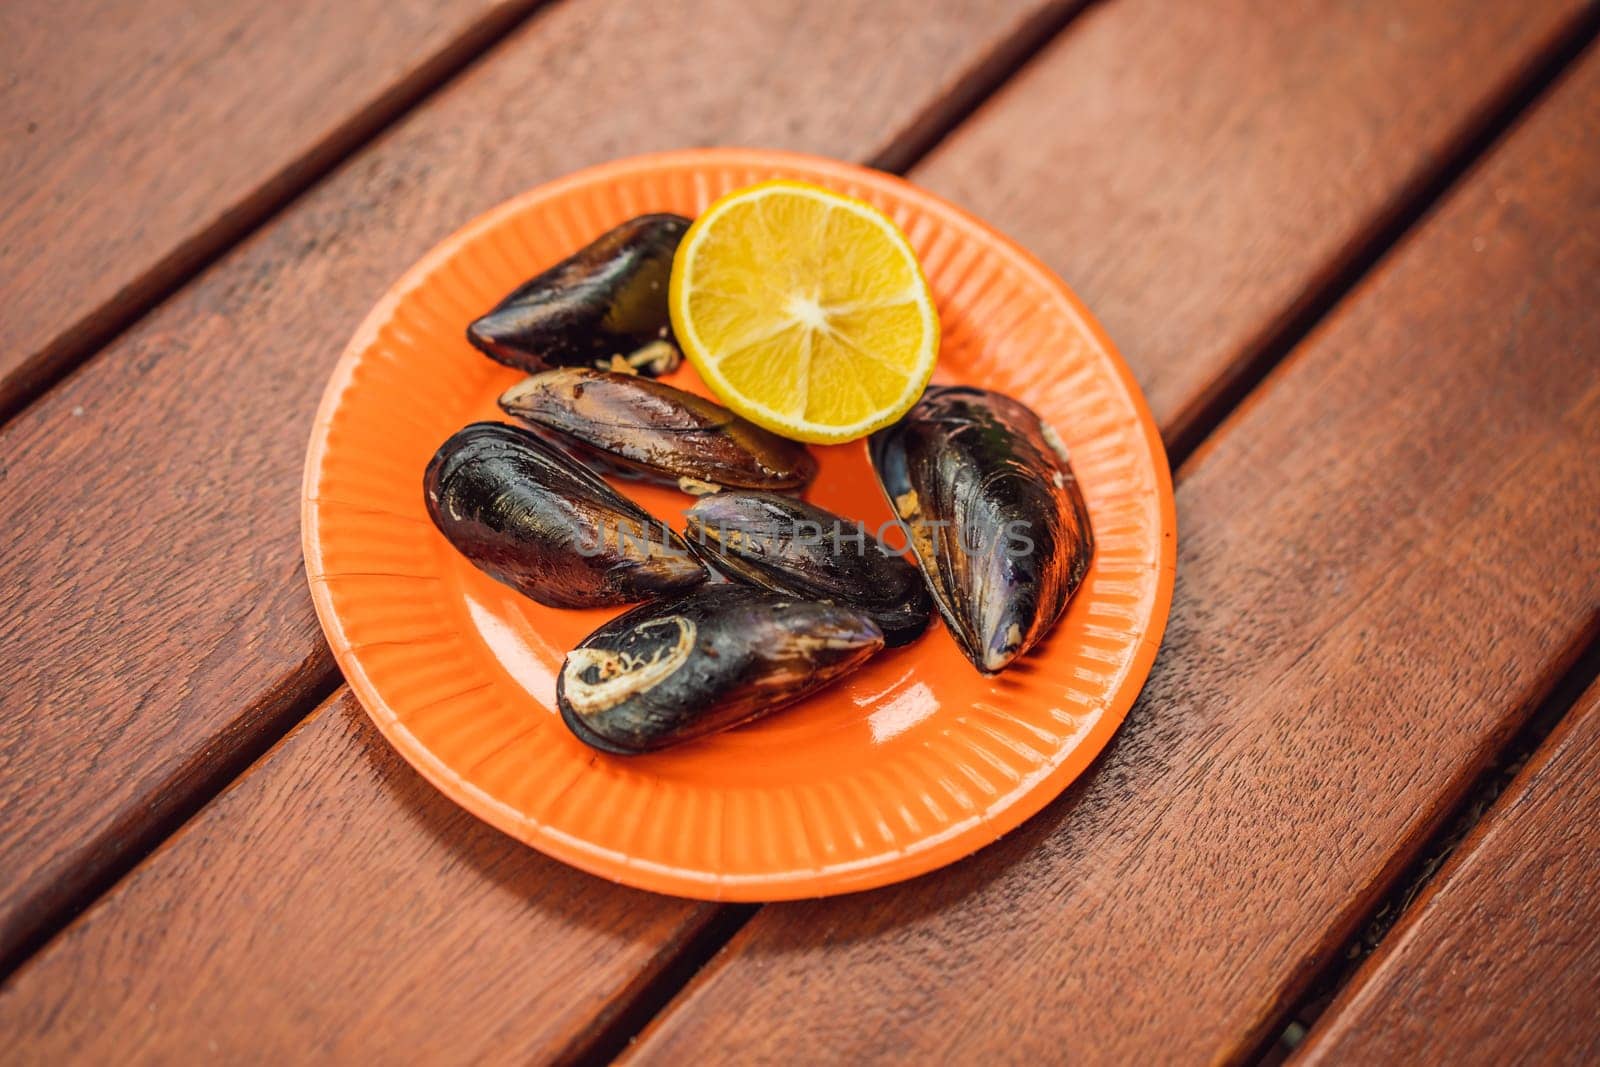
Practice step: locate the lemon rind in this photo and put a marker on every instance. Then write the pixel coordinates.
(695, 350)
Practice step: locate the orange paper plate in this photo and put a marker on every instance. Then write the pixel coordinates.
(908, 764)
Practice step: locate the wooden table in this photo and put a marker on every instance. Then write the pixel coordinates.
(1352, 251)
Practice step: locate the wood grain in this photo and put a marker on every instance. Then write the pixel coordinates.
(1385, 559)
(510, 956)
(208, 635)
(206, 630)
(136, 139)
(152, 601)
(1202, 170)
(1496, 962)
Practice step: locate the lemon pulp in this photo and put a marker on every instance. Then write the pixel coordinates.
(805, 311)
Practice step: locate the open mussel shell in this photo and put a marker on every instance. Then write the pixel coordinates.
(994, 516)
(671, 671)
(534, 518)
(789, 546)
(659, 431)
(604, 303)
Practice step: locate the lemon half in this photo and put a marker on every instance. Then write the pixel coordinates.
(805, 311)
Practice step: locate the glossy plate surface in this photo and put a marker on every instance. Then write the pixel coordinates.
(912, 762)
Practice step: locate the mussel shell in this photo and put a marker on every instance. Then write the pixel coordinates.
(671, 671)
(986, 466)
(606, 300)
(656, 430)
(534, 518)
(790, 546)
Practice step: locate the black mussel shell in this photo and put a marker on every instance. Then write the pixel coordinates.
(789, 546)
(541, 522)
(671, 671)
(607, 301)
(993, 513)
(656, 430)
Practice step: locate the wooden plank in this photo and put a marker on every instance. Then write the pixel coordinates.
(205, 993)
(139, 139)
(509, 956)
(1496, 962)
(210, 635)
(1202, 171)
(152, 600)
(1386, 557)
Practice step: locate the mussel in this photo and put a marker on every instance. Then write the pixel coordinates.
(658, 431)
(603, 304)
(988, 499)
(534, 518)
(716, 657)
(790, 546)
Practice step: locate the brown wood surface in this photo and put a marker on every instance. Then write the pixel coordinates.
(1198, 171)
(508, 956)
(313, 934)
(1499, 961)
(137, 138)
(1385, 558)
(152, 494)
(153, 608)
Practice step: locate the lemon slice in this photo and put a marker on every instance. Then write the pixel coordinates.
(805, 311)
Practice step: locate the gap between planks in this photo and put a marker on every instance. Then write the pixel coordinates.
(140, 842)
(1193, 426)
(941, 117)
(1457, 821)
(258, 208)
